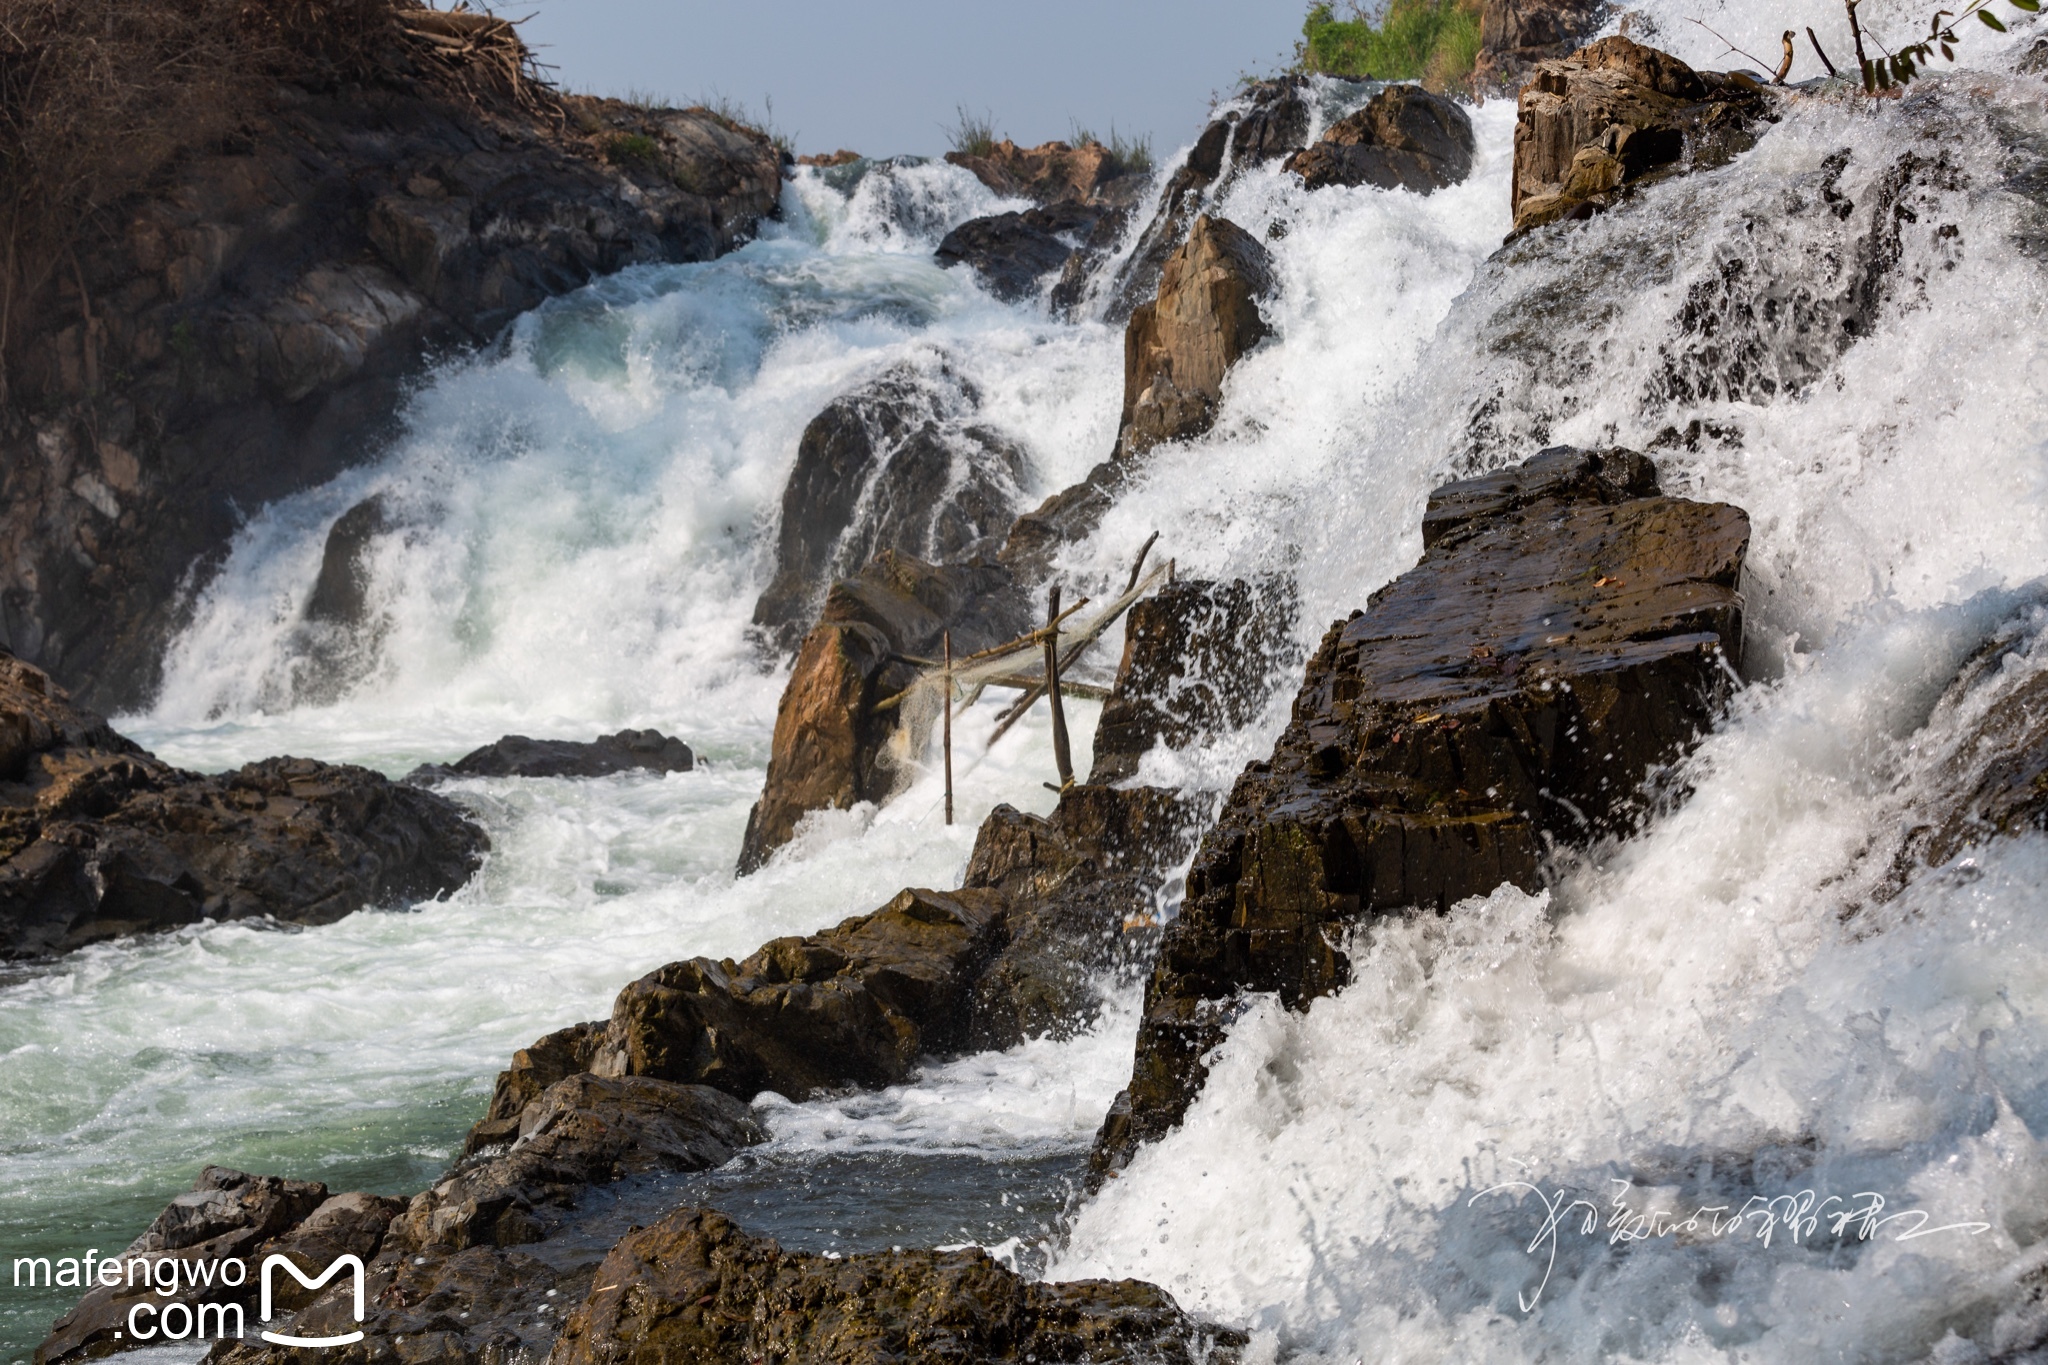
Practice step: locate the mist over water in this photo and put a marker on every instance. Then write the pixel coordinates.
(1722, 1007)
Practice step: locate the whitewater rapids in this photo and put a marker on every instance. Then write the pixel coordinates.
(1715, 1010)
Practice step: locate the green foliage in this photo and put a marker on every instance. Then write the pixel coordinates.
(1909, 63)
(972, 134)
(1431, 40)
(1125, 153)
(632, 149)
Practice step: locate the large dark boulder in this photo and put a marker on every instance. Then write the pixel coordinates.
(1404, 138)
(1568, 631)
(858, 1004)
(517, 756)
(898, 464)
(1201, 659)
(99, 839)
(1015, 253)
(694, 1288)
(832, 735)
(1592, 127)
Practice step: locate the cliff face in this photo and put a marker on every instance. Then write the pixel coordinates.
(247, 327)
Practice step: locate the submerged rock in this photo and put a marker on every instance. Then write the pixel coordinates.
(694, 1287)
(1404, 138)
(1273, 123)
(1201, 659)
(1592, 126)
(898, 464)
(1989, 778)
(226, 1215)
(518, 756)
(832, 745)
(1567, 632)
(100, 839)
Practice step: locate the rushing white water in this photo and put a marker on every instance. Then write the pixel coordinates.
(1713, 1010)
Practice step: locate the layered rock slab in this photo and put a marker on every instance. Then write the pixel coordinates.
(519, 756)
(1568, 631)
(99, 839)
(695, 1288)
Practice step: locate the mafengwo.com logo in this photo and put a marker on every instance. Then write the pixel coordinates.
(172, 1293)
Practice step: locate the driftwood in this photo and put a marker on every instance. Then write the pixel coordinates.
(1062, 751)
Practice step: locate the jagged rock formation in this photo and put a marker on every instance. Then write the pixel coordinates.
(1274, 123)
(897, 464)
(517, 756)
(227, 1214)
(1051, 172)
(1567, 631)
(695, 1288)
(1200, 660)
(832, 740)
(1516, 34)
(249, 330)
(100, 839)
(1404, 138)
(1177, 350)
(1593, 126)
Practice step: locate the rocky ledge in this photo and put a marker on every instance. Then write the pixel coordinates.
(1568, 631)
(250, 327)
(100, 839)
(517, 756)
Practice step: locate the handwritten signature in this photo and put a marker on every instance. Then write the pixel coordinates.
(1795, 1217)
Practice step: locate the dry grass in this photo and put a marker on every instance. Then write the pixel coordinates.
(97, 97)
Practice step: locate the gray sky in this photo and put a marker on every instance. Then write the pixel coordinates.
(884, 76)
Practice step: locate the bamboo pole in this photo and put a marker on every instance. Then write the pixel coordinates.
(1062, 754)
(949, 727)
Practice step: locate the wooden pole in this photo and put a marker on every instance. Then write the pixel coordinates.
(1061, 754)
(949, 727)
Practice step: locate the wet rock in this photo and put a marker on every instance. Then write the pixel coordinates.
(1617, 115)
(1987, 774)
(341, 591)
(832, 746)
(226, 1215)
(842, 157)
(1201, 659)
(581, 1131)
(1567, 632)
(1068, 515)
(99, 839)
(695, 1288)
(1516, 34)
(263, 308)
(1015, 253)
(1272, 122)
(1085, 890)
(1178, 347)
(517, 756)
(898, 464)
(855, 1005)
(1404, 138)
